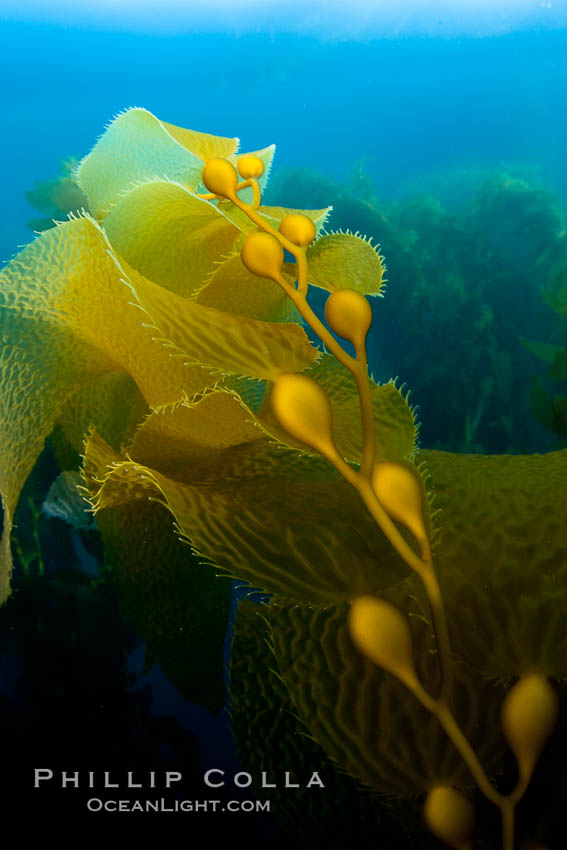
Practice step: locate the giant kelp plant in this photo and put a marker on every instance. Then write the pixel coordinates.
(162, 335)
(469, 265)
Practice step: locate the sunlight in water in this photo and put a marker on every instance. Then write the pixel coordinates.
(362, 19)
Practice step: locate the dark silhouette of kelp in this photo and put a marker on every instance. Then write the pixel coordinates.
(549, 397)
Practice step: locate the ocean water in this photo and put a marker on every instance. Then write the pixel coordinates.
(406, 105)
(437, 129)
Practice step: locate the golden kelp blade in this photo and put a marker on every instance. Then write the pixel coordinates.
(346, 261)
(219, 340)
(158, 337)
(111, 403)
(71, 311)
(184, 440)
(169, 235)
(71, 279)
(138, 146)
(203, 145)
(40, 366)
(254, 518)
(69, 314)
(231, 287)
(502, 558)
(43, 360)
(179, 440)
(66, 318)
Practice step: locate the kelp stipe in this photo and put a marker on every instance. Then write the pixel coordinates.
(391, 494)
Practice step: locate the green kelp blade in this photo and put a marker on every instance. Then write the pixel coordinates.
(137, 146)
(263, 516)
(366, 720)
(346, 261)
(271, 739)
(179, 606)
(169, 235)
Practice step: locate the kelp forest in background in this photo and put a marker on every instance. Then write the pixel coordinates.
(476, 291)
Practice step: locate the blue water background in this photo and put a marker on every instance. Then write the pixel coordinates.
(403, 107)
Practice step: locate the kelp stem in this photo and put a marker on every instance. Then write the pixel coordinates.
(360, 373)
(437, 608)
(358, 368)
(507, 812)
(424, 567)
(362, 480)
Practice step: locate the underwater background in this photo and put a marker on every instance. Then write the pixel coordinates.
(438, 129)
